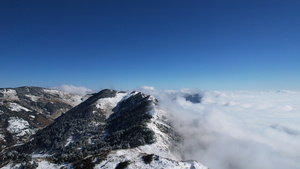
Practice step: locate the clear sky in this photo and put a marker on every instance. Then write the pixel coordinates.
(168, 44)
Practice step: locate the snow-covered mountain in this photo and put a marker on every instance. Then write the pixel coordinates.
(108, 130)
(25, 110)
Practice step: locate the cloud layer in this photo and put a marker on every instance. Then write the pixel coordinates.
(73, 89)
(237, 130)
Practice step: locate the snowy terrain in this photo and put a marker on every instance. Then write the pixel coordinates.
(24, 110)
(109, 103)
(9, 94)
(16, 107)
(160, 154)
(69, 98)
(19, 127)
(134, 157)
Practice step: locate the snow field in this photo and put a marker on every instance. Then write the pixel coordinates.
(9, 94)
(19, 127)
(108, 104)
(16, 107)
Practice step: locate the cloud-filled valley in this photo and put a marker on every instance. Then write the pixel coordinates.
(236, 130)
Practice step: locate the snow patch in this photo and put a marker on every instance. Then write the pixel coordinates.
(9, 94)
(47, 165)
(33, 98)
(129, 95)
(17, 107)
(42, 164)
(36, 155)
(32, 116)
(69, 141)
(1, 136)
(107, 104)
(19, 127)
(152, 98)
(12, 166)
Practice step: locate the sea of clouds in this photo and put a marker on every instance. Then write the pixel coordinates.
(238, 129)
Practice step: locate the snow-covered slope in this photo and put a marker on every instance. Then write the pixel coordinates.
(109, 130)
(135, 158)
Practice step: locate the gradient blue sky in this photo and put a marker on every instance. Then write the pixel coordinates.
(172, 44)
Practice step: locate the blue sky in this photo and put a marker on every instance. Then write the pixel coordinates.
(211, 45)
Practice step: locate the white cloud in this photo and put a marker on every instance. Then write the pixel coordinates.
(73, 89)
(237, 130)
(147, 88)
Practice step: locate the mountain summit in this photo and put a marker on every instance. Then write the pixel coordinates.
(110, 129)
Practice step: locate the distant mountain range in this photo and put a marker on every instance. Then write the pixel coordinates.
(43, 128)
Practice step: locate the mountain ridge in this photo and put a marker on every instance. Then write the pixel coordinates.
(109, 129)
